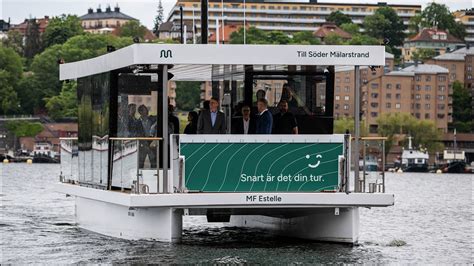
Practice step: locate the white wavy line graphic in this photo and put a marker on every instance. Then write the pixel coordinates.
(189, 176)
(308, 181)
(256, 167)
(227, 166)
(243, 164)
(191, 155)
(213, 161)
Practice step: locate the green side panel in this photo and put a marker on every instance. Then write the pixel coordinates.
(261, 167)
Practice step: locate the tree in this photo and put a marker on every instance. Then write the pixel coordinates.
(14, 40)
(24, 129)
(398, 125)
(338, 18)
(11, 70)
(423, 54)
(61, 28)
(158, 19)
(305, 37)
(462, 118)
(32, 39)
(132, 29)
(253, 36)
(64, 104)
(362, 39)
(385, 24)
(415, 24)
(28, 86)
(343, 124)
(439, 15)
(188, 95)
(351, 28)
(278, 37)
(333, 39)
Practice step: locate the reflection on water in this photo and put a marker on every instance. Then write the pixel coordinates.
(430, 222)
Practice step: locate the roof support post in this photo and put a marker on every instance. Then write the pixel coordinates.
(356, 126)
(204, 21)
(165, 129)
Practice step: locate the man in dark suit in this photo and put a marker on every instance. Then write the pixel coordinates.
(265, 119)
(244, 125)
(211, 121)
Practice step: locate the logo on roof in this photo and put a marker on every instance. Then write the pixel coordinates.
(166, 54)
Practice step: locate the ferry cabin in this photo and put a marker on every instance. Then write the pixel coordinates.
(139, 184)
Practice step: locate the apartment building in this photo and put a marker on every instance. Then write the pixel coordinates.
(466, 17)
(421, 90)
(22, 28)
(438, 40)
(344, 87)
(104, 21)
(288, 16)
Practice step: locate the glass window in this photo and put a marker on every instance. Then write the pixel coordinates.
(427, 106)
(389, 86)
(397, 106)
(374, 85)
(388, 105)
(398, 96)
(428, 78)
(427, 96)
(427, 88)
(346, 107)
(427, 116)
(337, 97)
(388, 96)
(374, 95)
(346, 98)
(398, 86)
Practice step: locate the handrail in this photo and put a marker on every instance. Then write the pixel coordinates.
(135, 138)
(371, 138)
(68, 138)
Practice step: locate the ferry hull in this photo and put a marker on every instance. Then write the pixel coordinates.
(323, 225)
(154, 223)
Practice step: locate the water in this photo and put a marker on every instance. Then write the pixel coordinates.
(431, 222)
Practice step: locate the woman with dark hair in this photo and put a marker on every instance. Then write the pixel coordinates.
(191, 127)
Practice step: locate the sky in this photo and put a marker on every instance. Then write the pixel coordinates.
(145, 10)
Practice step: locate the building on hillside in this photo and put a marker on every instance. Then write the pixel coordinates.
(344, 87)
(50, 134)
(466, 17)
(438, 40)
(460, 64)
(4, 28)
(288, 16)
(23, 27)
(330, 28)
(104, 21)
(421, 90)
(170, 30)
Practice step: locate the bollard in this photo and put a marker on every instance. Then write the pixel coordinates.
(439, 171)
(380, 187)
(5, 161)
(29, 161)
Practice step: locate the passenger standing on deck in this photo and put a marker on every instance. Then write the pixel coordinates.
(287, 95)
(145, 145)
(191, 127)
(173, 121)
(284, 122)
(246, 125)
(265, 119)
(211, 121)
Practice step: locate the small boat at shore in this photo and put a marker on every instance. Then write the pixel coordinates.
(414, 160)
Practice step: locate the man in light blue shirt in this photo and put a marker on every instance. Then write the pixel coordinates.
(211, 121)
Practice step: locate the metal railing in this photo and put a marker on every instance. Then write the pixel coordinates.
(373, 165)
(135, 164)
(69, 160)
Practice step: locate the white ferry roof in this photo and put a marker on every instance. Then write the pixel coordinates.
(195, 61)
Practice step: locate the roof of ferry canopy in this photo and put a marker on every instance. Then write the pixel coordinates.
(206, 55)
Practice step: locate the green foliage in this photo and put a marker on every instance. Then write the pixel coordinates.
(64, 104)
(305, 37)
(351, 28)
(423, 54)
(415, 24)
(338, 18)
(439, 15)
(277, 37)
(24, 128)
(253, 36)
(385, 24)
(361, 39)
(14, 40)
(132, 29)
(343, 124)
(27, 87)
(80, 47)
(61, 28)
(333, 39)
(188, 95)
(10, 73)
(462, 118)
(424, 132)
(158, 19)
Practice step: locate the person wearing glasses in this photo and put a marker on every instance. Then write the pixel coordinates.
(245, 125)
